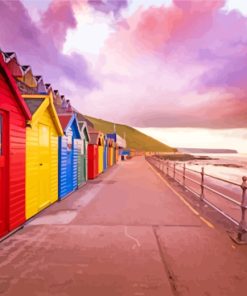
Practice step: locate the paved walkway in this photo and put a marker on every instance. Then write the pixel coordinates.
(125, 233)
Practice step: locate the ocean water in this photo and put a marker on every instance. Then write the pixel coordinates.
(222, 165)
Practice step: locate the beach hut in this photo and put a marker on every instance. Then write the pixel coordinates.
(16, 70)
(68, 155)
(57, 98)
(106, 144)
(41, 153)
(41, 89)
(113, 138)
(93, 154)
(27, 76)
(110, 152)
(13, 117)
(12, 63)
(101, 153)
(83, 153)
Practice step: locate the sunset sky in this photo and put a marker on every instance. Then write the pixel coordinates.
(175, 69)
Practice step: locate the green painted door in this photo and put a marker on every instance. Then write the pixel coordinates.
(82, 169)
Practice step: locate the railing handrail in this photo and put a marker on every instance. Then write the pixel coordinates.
(208, 175)
(242, 224)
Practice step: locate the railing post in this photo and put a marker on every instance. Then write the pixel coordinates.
(242, 225)
(184, 170)
(167, 167)
(174, 170)
(202, 184)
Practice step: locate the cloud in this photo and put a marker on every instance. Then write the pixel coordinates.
(109, 6)
(163, 65)
(177, 65)
(39, 44)
(57, 19)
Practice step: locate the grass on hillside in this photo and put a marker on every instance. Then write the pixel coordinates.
(135, 139)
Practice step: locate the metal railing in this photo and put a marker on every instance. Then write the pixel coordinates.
(182, 174)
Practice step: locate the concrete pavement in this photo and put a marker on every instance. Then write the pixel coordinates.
(125, 233)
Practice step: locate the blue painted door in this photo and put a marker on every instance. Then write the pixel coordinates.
(69, 170)
(105, 157)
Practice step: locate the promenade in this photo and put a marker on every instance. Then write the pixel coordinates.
(125, 233)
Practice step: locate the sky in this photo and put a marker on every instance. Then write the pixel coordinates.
(174, 69)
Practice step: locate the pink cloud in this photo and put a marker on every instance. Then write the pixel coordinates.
(177, 65)
(108, 6)
(40, 44)
(198, 73)
(57, 19)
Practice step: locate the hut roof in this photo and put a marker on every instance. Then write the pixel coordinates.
(69, 120)
(64, 119)
(48, 87)
(12, 84)
(82, 118)
(25, 68)
(96, 137)
(41, 106)
(38, 78)
(8, 56)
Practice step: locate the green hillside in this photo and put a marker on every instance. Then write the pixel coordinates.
(134, 138)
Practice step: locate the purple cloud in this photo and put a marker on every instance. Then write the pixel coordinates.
(108, 6)
(40, 44)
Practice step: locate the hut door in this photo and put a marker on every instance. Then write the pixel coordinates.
(3, 168)
(70, 147)
(44, 165)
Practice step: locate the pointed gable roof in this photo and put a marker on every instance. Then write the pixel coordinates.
(64, 120)
(48, 86)
(8, 56)
(25, 68)
(13, 86)
(41, 89)
(13, 65)
(70, 121)
(39, 107)
(84, 130)
(82, 118)
(38, 78)
(27, 76)
(96, 137)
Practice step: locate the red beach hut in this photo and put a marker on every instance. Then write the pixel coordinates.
(13, 116)
(93, 158)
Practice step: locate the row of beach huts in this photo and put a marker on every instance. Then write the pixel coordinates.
(48, 149)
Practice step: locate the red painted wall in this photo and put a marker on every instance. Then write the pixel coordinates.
(15, 161)
(92, 161)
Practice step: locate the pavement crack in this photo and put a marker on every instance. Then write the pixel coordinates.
(168, 270)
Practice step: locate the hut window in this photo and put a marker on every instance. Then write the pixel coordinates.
(69, 142)
(1, 134)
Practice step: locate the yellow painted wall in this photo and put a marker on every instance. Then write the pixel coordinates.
(117, 154)
(41, 189)
(101, 158)
(111, 155)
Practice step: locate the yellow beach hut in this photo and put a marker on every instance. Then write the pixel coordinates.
(101, 153)
(41, 153)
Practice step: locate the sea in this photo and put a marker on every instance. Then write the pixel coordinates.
(231, 166)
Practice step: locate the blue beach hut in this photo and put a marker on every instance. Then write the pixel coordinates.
(106, 153)
(68, 155)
